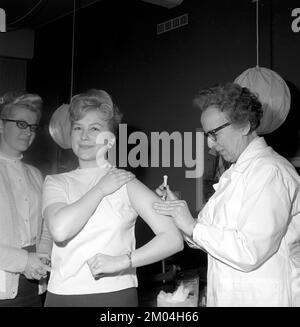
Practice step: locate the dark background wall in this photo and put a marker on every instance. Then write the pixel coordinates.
(153, 78)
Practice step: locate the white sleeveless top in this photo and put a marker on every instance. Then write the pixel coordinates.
(110, 230)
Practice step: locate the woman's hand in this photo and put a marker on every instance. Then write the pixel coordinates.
(45, 258)
(102, 264)
(114, 179)
(35, 268)
(178, 210)
(164, 191)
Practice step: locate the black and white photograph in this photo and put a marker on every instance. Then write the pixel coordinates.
(149, 157)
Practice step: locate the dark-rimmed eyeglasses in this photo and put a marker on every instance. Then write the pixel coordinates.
(23, 124)
(213, 133)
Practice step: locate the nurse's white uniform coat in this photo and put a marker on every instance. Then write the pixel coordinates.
(250, 229)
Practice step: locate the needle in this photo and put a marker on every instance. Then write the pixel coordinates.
(164, 197)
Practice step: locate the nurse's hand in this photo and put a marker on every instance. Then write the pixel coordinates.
(164, 191)
(102, 264)
(178, 210)
(113, 180)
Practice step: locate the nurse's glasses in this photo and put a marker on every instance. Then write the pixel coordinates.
(23, 124)
(213, 133)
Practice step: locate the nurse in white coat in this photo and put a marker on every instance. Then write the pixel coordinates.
(250, 227)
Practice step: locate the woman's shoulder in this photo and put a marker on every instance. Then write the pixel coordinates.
(135, 184)
(270, 161)
(60, 177)
(270, 167)
(67, 178)
(138, 189)
(34, 170)
(69, 173)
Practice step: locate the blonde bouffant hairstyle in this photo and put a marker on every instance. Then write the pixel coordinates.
(15, 99)
(98, 100)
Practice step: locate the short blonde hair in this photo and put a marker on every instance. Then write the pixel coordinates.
(30, 101)
(97, 100)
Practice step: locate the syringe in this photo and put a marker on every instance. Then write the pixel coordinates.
(165, 183)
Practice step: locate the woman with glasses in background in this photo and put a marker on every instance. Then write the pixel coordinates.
(24, 249)
(250, 227)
